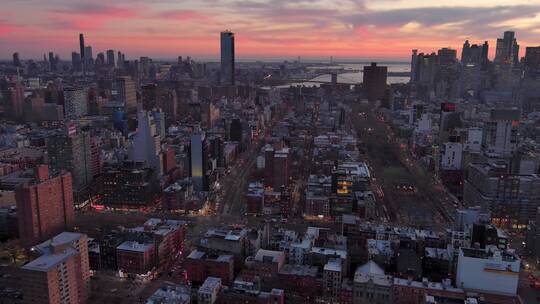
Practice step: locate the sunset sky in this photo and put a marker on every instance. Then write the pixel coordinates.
(354, 29)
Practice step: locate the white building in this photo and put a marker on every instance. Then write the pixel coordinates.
(488, 270)
(209, 290)
(147, 142)
(451, 156)
(474, 140)
(371, 285)
(501, 133)
(424, 123)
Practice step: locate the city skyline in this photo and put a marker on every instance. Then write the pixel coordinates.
(350, 29)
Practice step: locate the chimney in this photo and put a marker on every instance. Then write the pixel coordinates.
(42, 172)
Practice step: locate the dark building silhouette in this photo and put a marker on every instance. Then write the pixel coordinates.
(16, 60)
(76, 61)
(110, 58)
(227, 58)
(375, 81)
(235, 132)
(81, 44)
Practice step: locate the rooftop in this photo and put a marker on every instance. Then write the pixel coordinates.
(262, 255)
(299, 270)
(490, 253)
(210, 284)
(135, 246)
(48, 261)
(333, 265)
(372, 272)
(427, 285)
(170, 294)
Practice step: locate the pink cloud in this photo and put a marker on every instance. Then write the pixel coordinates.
(182, 15)
(91, 19)
(8, 28)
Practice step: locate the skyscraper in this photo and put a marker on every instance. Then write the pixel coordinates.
(110, 58)
(507, 51)
(120, 60)
(532, 57)
(81, 44)
(484, 58)
(196, 161)
(16, 60)
(126, 93)
(227, 58)
(501, 133)
(100, 60)
(71, 150)
(88, 57)
(446, 56)
(147, 141)
(75, 102)
(44, 206)
(76, 62)
(15, 98)
(375, 81)
(414, 66)
(466, 52)
(52, 62)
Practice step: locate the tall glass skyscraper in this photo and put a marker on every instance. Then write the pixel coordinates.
(227, 58)
(196, 161)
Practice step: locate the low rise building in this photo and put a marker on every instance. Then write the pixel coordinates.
(489, 270)
(170, 294)
(372, 285)
(209, 290)
(135, 258)
(201, 265)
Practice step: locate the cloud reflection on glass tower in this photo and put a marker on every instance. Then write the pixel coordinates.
(227, 58)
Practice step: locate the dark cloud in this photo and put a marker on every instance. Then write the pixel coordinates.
(474, 19)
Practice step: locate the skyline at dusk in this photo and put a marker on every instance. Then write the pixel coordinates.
(265, 29)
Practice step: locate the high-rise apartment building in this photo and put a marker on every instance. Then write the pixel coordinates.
(375, 81)
(512, 199)
(475, 54)
(501, 133)
(147, 141)
(72, 150)
(227, 58)
(15, 95)
(75, 103)
(110, 58)
(532, 57)
(44, 206)
(16, 59)
(126, 93)
(61, 274)
(446, 56)
(277, 167)
(507, 51)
